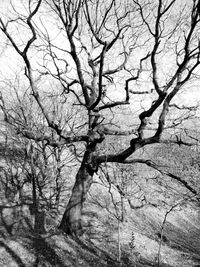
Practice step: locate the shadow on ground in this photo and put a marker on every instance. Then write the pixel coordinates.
(44, 253)
(59, 251)
(12, 254)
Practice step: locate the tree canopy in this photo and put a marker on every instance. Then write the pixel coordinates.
(90, 73)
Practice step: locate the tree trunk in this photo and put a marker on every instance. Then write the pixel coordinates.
(39, 224)
(71, 222)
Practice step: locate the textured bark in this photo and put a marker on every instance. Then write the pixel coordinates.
(39, 224)
(71, 222)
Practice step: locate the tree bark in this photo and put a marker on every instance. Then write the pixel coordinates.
(71, 222)
(39, 224)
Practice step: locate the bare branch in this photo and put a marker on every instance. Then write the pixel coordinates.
(107, 131)
(163, 172)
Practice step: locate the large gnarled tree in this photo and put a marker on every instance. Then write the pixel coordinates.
(103, 57)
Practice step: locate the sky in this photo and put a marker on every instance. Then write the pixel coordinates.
(10, 63)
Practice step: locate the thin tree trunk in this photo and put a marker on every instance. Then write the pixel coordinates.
(119, 243)
(39, 216)
(71, 222)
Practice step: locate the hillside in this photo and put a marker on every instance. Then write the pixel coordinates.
(19, 246)
(165, 229)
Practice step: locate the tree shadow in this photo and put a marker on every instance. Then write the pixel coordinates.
(45, 253)
(15, 257)
(97, 252)
(196, 260)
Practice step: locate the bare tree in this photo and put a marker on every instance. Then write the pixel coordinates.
(31, 171)
(103, 56)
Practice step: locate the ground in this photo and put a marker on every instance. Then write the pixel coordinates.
(180, 245)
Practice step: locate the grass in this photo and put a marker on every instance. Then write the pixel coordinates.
(98, 247)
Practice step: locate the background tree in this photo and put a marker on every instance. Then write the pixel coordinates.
(31, 171)
(101, 57)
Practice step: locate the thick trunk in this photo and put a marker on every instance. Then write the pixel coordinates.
(71, 222)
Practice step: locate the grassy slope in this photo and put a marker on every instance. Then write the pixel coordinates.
(181, 247)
